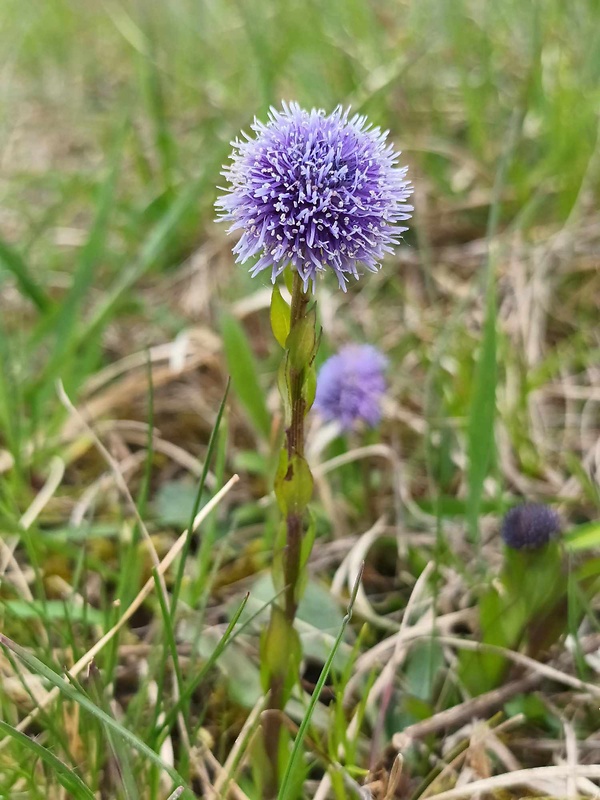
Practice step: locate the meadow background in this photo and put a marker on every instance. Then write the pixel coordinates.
(116, 281)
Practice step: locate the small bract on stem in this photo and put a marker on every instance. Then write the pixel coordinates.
(312, 193)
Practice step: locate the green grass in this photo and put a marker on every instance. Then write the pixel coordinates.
(117, 119)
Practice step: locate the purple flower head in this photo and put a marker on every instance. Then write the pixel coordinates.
(350, 386)
(530, 526)
(315, 191)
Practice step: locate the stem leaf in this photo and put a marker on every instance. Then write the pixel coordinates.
(280, 316)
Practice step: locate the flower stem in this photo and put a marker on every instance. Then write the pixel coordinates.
(294, 441)
(281, 652)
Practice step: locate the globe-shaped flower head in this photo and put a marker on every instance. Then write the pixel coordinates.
(350, 386)
(315, 191)
(530, 526)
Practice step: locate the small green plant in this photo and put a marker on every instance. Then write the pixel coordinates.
(527, 606)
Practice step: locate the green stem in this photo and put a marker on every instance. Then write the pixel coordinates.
(297, 370)
(294, 441)
(295, 433)
(272, 736)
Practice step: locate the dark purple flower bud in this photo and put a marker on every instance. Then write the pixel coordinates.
(320, 192)
(350, 386)
(530, 526)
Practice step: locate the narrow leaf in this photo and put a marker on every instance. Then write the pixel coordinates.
(287, 778)
(482, 415)
(83, 279)
(67, 778)
(483, 404)
(67, 689)
(151, 251)
(14, 263)
(244, 373)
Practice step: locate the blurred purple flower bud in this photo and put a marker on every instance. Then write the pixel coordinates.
(530, 526)
(350, 386)
(315, 191)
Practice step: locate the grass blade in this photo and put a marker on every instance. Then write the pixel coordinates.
(68, 690)
(244, 373)
(195, 682)
(480, 433)
(15, 264)
(295, 754)
(482, 415)
(583, 537)
(120, 754)
(83, 278)
(67, 778)
(207, 461)
(152, 250)
(154, 92)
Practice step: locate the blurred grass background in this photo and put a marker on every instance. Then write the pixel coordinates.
(117, 117)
